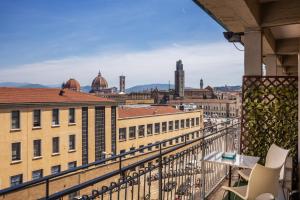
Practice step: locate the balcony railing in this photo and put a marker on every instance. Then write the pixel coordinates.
(174, 171)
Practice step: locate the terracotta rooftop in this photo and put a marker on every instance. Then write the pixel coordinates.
(126, 112)
(10, 95)
(201, 101)
(196, 89)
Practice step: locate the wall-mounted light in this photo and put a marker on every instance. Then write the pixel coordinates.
(233, 37)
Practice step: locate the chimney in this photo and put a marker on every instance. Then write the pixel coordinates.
(61, 92)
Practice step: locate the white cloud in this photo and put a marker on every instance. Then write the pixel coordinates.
(217, 63)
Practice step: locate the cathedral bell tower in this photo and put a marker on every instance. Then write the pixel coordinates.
(179, 80)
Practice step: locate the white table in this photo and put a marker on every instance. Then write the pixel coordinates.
(240, 161)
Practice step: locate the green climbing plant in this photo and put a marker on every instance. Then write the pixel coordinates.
(271, 117)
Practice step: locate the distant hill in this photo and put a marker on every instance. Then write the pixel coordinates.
(141, 88)
(228, 88)
(12, 84)
(86, 88)
(137, 88)
(21, 85)
(33, 86)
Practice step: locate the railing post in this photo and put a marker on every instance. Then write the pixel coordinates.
(203, 170)
(226, 137)
(160, 174)
(47, 188)
(120, 167)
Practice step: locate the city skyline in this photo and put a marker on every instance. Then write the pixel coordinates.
(86, 37)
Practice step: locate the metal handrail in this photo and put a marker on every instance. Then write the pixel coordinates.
(131, 166)
(46, 179)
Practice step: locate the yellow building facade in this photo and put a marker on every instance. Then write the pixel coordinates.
(46, 131)
(139, 127)
(42, 137)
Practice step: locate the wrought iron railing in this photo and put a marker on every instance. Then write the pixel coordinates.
(176, 171)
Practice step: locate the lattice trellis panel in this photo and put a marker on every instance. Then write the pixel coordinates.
(269, 115)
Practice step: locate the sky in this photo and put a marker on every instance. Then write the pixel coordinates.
(50, 41)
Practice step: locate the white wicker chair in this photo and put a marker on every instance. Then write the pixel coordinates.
(262, 185)
(275, 158)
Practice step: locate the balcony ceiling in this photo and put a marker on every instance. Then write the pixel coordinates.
(278, 19)
(287, 31)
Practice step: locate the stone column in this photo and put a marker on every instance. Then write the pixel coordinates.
(271, 65)
(253, 53)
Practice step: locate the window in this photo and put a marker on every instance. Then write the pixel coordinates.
(197, 121)
(187, 122)
(72, 142)
(157, 127)
(170, 125)
(142, 150)
(37, 148)
(182, 123)
(177, 140)
(84, 135)
(182, 138)
(16, 151)
(141, 131)
(164, 144)
(132, 132)
(99, 133)
(192, 121)
(72, 164)
(149, 129)
(55, 169)
(122, 134)
(36, 118)
(193, 135)
(15, 119)
(16, 180)
(55, 145)
(71, 115)
(150, 148)
(37, 174)
(171, 142)
(55, 117)
(164, 127)
(176, 124)
(132, 149)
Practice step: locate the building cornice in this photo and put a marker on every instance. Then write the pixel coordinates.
(159, 115)
(55, 104)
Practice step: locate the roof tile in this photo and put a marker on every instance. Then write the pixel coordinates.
(45, 95)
